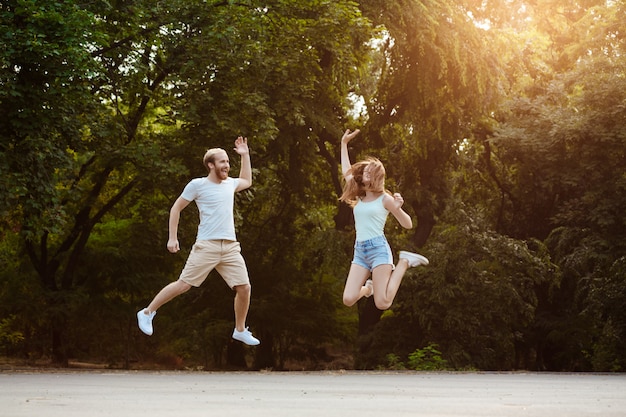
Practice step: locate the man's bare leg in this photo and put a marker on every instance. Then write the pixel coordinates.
(168, 293)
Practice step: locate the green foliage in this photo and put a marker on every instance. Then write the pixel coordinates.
(149, 87)
(428, 358)
(607, 297)
(45, 100)
(555, 160)
(477, 299)
(507, 144)
(394, 362)
(437, 75)
(10, 337)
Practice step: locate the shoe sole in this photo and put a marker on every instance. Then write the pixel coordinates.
(247, 342)
(414, 257)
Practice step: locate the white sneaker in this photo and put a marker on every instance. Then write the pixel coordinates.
(145, 321)
(370, 284)
(415, 259)
(246, 337)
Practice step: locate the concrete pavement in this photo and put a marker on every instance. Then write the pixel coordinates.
(301, 394)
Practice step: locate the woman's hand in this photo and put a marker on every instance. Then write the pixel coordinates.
(348, 136)
(398, 200)
(394, 203)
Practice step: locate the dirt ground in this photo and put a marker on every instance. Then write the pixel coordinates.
(94, 393)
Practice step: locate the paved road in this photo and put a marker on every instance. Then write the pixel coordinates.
(302, 394)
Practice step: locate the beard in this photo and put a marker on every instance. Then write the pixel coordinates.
(222, 174)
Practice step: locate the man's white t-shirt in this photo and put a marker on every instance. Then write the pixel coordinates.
(215, 203)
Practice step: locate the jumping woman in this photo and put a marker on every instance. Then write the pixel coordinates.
(364, 190)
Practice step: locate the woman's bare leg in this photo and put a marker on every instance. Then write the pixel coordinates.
(387, 281)
(355, 289)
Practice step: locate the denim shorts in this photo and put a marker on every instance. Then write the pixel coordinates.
(372, 253)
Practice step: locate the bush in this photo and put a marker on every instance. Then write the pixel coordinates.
(425, 359)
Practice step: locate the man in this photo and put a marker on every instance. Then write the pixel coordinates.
(216, 245)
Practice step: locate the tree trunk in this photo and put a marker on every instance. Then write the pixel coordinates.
(59, 348)
(235, 355)
(369, 316)
(264, 358)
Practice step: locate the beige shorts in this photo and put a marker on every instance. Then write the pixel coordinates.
(221, 255)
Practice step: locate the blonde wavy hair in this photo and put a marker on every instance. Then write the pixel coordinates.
(354, 188)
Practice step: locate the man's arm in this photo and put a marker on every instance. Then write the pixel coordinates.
(245, 174)
(178, 206)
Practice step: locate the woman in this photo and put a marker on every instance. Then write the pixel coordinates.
(365, 192)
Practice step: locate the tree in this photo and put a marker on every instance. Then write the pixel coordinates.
(435, 80)
(150, 95)
(558, 183)
(46, 100)
(476, 300)
(493, 119)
